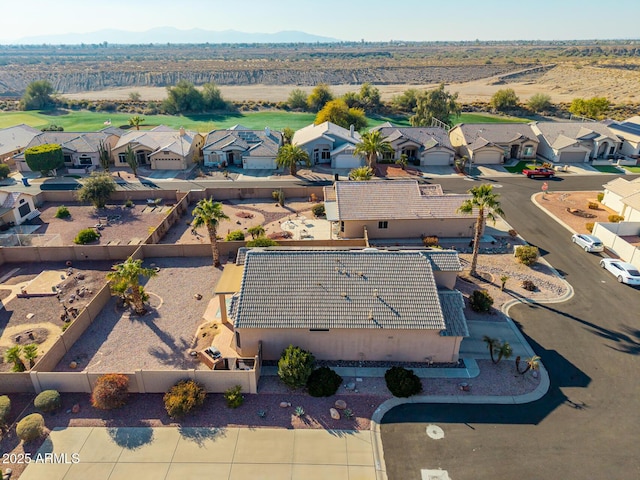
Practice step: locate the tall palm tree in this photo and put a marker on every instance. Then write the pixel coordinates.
(290, 156)
(372, 146)
(533, 363)
(209, 214)
(125, 277)
(486, 203)
(136, 121)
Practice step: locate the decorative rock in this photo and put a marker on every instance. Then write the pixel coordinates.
(193, 353)
(350, 386)
(341, 404)
(80, 276)
(197, 296)
(334, 414)
(285, 404)
(30, 315)
(75, 408)
(73, 365)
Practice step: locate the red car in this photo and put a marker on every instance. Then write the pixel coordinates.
(539, 172)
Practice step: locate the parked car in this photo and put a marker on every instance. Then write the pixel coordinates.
(623, 271)
(539, 172)
(590, 243)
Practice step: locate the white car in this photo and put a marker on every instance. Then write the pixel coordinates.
(623, 271)
(588, 242)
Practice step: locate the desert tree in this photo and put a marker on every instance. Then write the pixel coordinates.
(318, 97)
(290, 156)
(436, 103)
(97, 189)
(504, 99)
(338, 112)
(37, 96)
(136, 121)
(209, 214)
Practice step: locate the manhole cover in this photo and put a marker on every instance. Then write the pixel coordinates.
(435, 432)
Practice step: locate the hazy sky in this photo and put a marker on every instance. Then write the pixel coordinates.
(344, 19)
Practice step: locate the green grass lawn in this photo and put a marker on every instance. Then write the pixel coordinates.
(518, 167)
(607, 169)
(632, 169)
(488, 118)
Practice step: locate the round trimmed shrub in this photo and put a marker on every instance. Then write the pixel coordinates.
(323, 382)
(111, 391)
(318, 210)
(30, 427)
(235, 236)
(48, 401)
(85, 236)
(480, 301)
(295, 366)
(527, 254)
(63, 212)
(402, 382)
(184, 397)
(5, 408)
(5, 170)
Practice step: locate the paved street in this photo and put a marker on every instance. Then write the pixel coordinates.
(586, 426)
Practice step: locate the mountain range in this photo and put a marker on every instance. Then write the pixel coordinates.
(173, 35)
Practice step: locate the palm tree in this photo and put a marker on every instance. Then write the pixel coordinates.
(361, 174)
(12, 355)
(125, 277)
(504, 351)
(491, 345)
(136, 121)
(287, 135)
(30, 353)
(533, 363)
(257, 231)
(209, 214)
(372, 146)
(290, 156)
(486, 203)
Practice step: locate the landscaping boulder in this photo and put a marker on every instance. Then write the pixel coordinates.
(285, 404)
(341, 404)
(334, 414)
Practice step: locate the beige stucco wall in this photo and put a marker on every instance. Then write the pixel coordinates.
(445, 279)
(349, 344)
(455, 227)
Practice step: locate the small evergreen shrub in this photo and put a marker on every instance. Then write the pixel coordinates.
(615, 218)
(529, 285)
(589, 226)
(233, 396)
(480, 301)
(63, 212)
(600, 196)
(5, 408)
(262, 242)
(85, 236)
(30, 427)
(318, 210)
(48, 401)
(183, 397)
(323, 382)
(593, 205)
(295, 366)
(402, 382)
(236, 235)
(527, 254)
(111, 391)
(4, 171)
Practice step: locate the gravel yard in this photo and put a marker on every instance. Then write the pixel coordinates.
(119, 342)
(558, 202)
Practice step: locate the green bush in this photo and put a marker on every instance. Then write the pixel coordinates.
(402, 382)
(593, 205)
(318, 210)
(233, 396)
(295, 366)
(600, 196)
(480, 301)
(5, 408)
(63, 212)
(111, 391)
(323, 382)
(44, 158)
(30, 427)
(262, 242)
(529, 285)
(527, 254)
(589, 226)
(236, 235)
(128, 203)
(4, 171)
(183, 397)
(86, 235)
(48, 401)
(615, 218)
(431, 241)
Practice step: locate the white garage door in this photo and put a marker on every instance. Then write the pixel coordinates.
(435, 158)
(347, 161)
(572, 157)
(259, 163)
(488, 157)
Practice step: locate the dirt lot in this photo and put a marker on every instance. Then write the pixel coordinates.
(558, 203)
(124, 224)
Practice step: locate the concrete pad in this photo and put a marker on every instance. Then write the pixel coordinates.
(65, 440)
(160, 448)
(45, 281)
(94, 471)
(199, 470)
(320, 447)
(139, 471)
(50, 471)
(320, 472)
(359, 449)
(213, 445)
(263, 472)
(251, 446)
(362, 473)
(100, 447)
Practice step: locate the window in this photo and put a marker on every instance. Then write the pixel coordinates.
(325, 155)
(612, 150)
(122, 158)
(528, 150)
(318, 329)
(238, 340)
(85, 160)
(67, 158)
(383, 224)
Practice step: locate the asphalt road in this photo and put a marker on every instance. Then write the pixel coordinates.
(587, 425)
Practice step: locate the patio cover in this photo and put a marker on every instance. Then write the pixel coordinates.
(230, 280)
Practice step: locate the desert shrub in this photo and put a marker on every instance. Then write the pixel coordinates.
(48, 401)
(63, 212)
(600, 196)
(236, 235)
(430, 241)
(183, 397)
(4, 171)
(402, 382)
(111, 391)
(295, 366)
(548, 165)
(527, 254)
(262, 242)
(529, 285)
(615, 218)
(86, 235)
(30, 427)
(323, 382)
(593, 205)
(128, 203)
(233, 396)
(480, 301)
(318, 210)
(589, 226)
(5, 408)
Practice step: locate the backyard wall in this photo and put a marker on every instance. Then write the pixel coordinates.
(119, 196)
(66, 252)
(610, 234)
(15, 383)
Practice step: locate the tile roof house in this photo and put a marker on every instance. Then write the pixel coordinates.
(14, 140)
(347, 305)
(629, 132)
(396, 209)
(492, 143)
(575, 142)
(238, 145)
(423, 145)
(623, 196)
(17, 208)
(161, 148)
(328, 143)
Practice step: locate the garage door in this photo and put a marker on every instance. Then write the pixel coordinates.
(259, 163)
(572, 157)
(484, 158)
(435, 158)
(346, 161)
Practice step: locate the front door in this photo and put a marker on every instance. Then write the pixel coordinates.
(514, 151)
